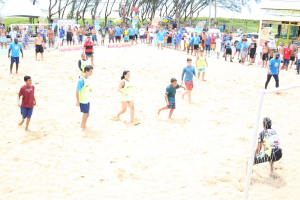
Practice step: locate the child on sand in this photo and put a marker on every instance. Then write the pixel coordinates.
(28, 101)
(200, 65)
(170, 96)
(82, 95)
(188, 71)
(82, 63)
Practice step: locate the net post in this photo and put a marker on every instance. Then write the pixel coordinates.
(253, 143)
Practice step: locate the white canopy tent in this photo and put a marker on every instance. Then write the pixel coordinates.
(23, 8)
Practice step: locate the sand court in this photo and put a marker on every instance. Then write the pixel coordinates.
(199, 154)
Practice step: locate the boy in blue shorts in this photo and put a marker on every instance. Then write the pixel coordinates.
(82, 95)
(28, 101)
(170, 97)
(201, 64)
(14, 48)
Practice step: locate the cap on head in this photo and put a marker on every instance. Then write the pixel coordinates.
(277, 54)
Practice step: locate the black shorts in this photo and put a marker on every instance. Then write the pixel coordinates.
(131, 37)
(228, 51)
(196, 46)
(39, 49)
(252, 54)
(136, 36)
(69, 37)
(238, 50)
(169, 40)
(118, 37)
(44, 39)
(265, 57)
(262, 157)
(292, 58)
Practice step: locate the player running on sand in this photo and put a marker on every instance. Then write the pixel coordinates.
(188, 71)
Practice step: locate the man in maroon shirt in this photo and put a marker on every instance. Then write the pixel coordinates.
(286, 56)
(28, 101)
(89, 50)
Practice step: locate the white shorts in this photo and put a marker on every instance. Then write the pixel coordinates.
(218, 49)
(3, 39)
(160, 42)
(281, 57)
(60, 40)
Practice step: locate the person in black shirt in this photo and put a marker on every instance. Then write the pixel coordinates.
(174, 25)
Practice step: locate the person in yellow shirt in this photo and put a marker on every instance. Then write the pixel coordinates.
(201, 64)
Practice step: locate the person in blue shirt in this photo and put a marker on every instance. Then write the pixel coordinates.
(188, 71)
(161, 35)
(221, 28)
(178, 36)
(131, 35)
(207, 44)
(170, 97)
(273, 66)
(15, 49)
(196, 44)
(228, 46)
(136, 32)
(118, 32)
(238, 49)
(244, 51)
(61, 36)
(191, 44)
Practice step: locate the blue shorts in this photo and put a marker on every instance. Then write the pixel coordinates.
(171, 105)
(286, 61)
(94, 38)
(26, 112)
(207, 47)
(178, 42)
(80, 38)
(14, 59)
(201, 70)
(85, 107)
(142, 37)
(3, 39)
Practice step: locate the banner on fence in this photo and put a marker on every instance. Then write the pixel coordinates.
(135, 20)
(97, 22)
(200, 26)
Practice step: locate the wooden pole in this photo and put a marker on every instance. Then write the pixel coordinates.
(124, 17)
(288, 35)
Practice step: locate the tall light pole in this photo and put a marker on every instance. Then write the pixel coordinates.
(209, 14)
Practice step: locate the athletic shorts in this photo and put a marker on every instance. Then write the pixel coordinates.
(26, 112)
(51, 40)
(44, 38)
(80, 38)
(238, 50)
(207, 47)
(281, 57)
(201, 70)
(160, 42)
(39, 49)
(118, 37)
(169, 40)
(286, 61)
(212, 46)
(189, 85)
(3, 39)
(252, 54)
(150, 38)
(131, 37)
(292, 58)
(85, 107)
(142, 37)
(136, 37)
(191, 45)
(196, 46)
(89, 55)
(265, 57)
(69, 37)
(14, 59)
(228, 51)
(243, 54)
(111, 37)
(178, 42)
(171, 105)
(262, 157)
(94, 38)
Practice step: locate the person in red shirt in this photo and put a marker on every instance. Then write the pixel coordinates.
(286, 56)
(89, 50)
(213, 38)
(28, 101)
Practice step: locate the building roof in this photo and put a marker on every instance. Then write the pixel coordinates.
(282, 6)
(17, 8)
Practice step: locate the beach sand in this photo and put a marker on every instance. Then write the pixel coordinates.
(199, 154)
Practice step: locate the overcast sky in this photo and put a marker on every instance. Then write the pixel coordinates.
(43, 4)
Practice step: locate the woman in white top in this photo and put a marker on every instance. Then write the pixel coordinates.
(218, 45)
(126, 90)
(75, 36)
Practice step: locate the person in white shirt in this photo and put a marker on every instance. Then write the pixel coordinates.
(24, 33)
(186, 40)
(142, 34)
(151, 35)
(218, 45)
(13, 34)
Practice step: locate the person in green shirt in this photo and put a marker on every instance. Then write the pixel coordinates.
(201, 64)
(82, 95)
(170, 97)
(103, 34)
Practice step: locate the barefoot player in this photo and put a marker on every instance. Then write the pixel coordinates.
(188, 71)
(170, 97)
(14, 48)
(82, 95)
(28, 101)
(201, 64)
